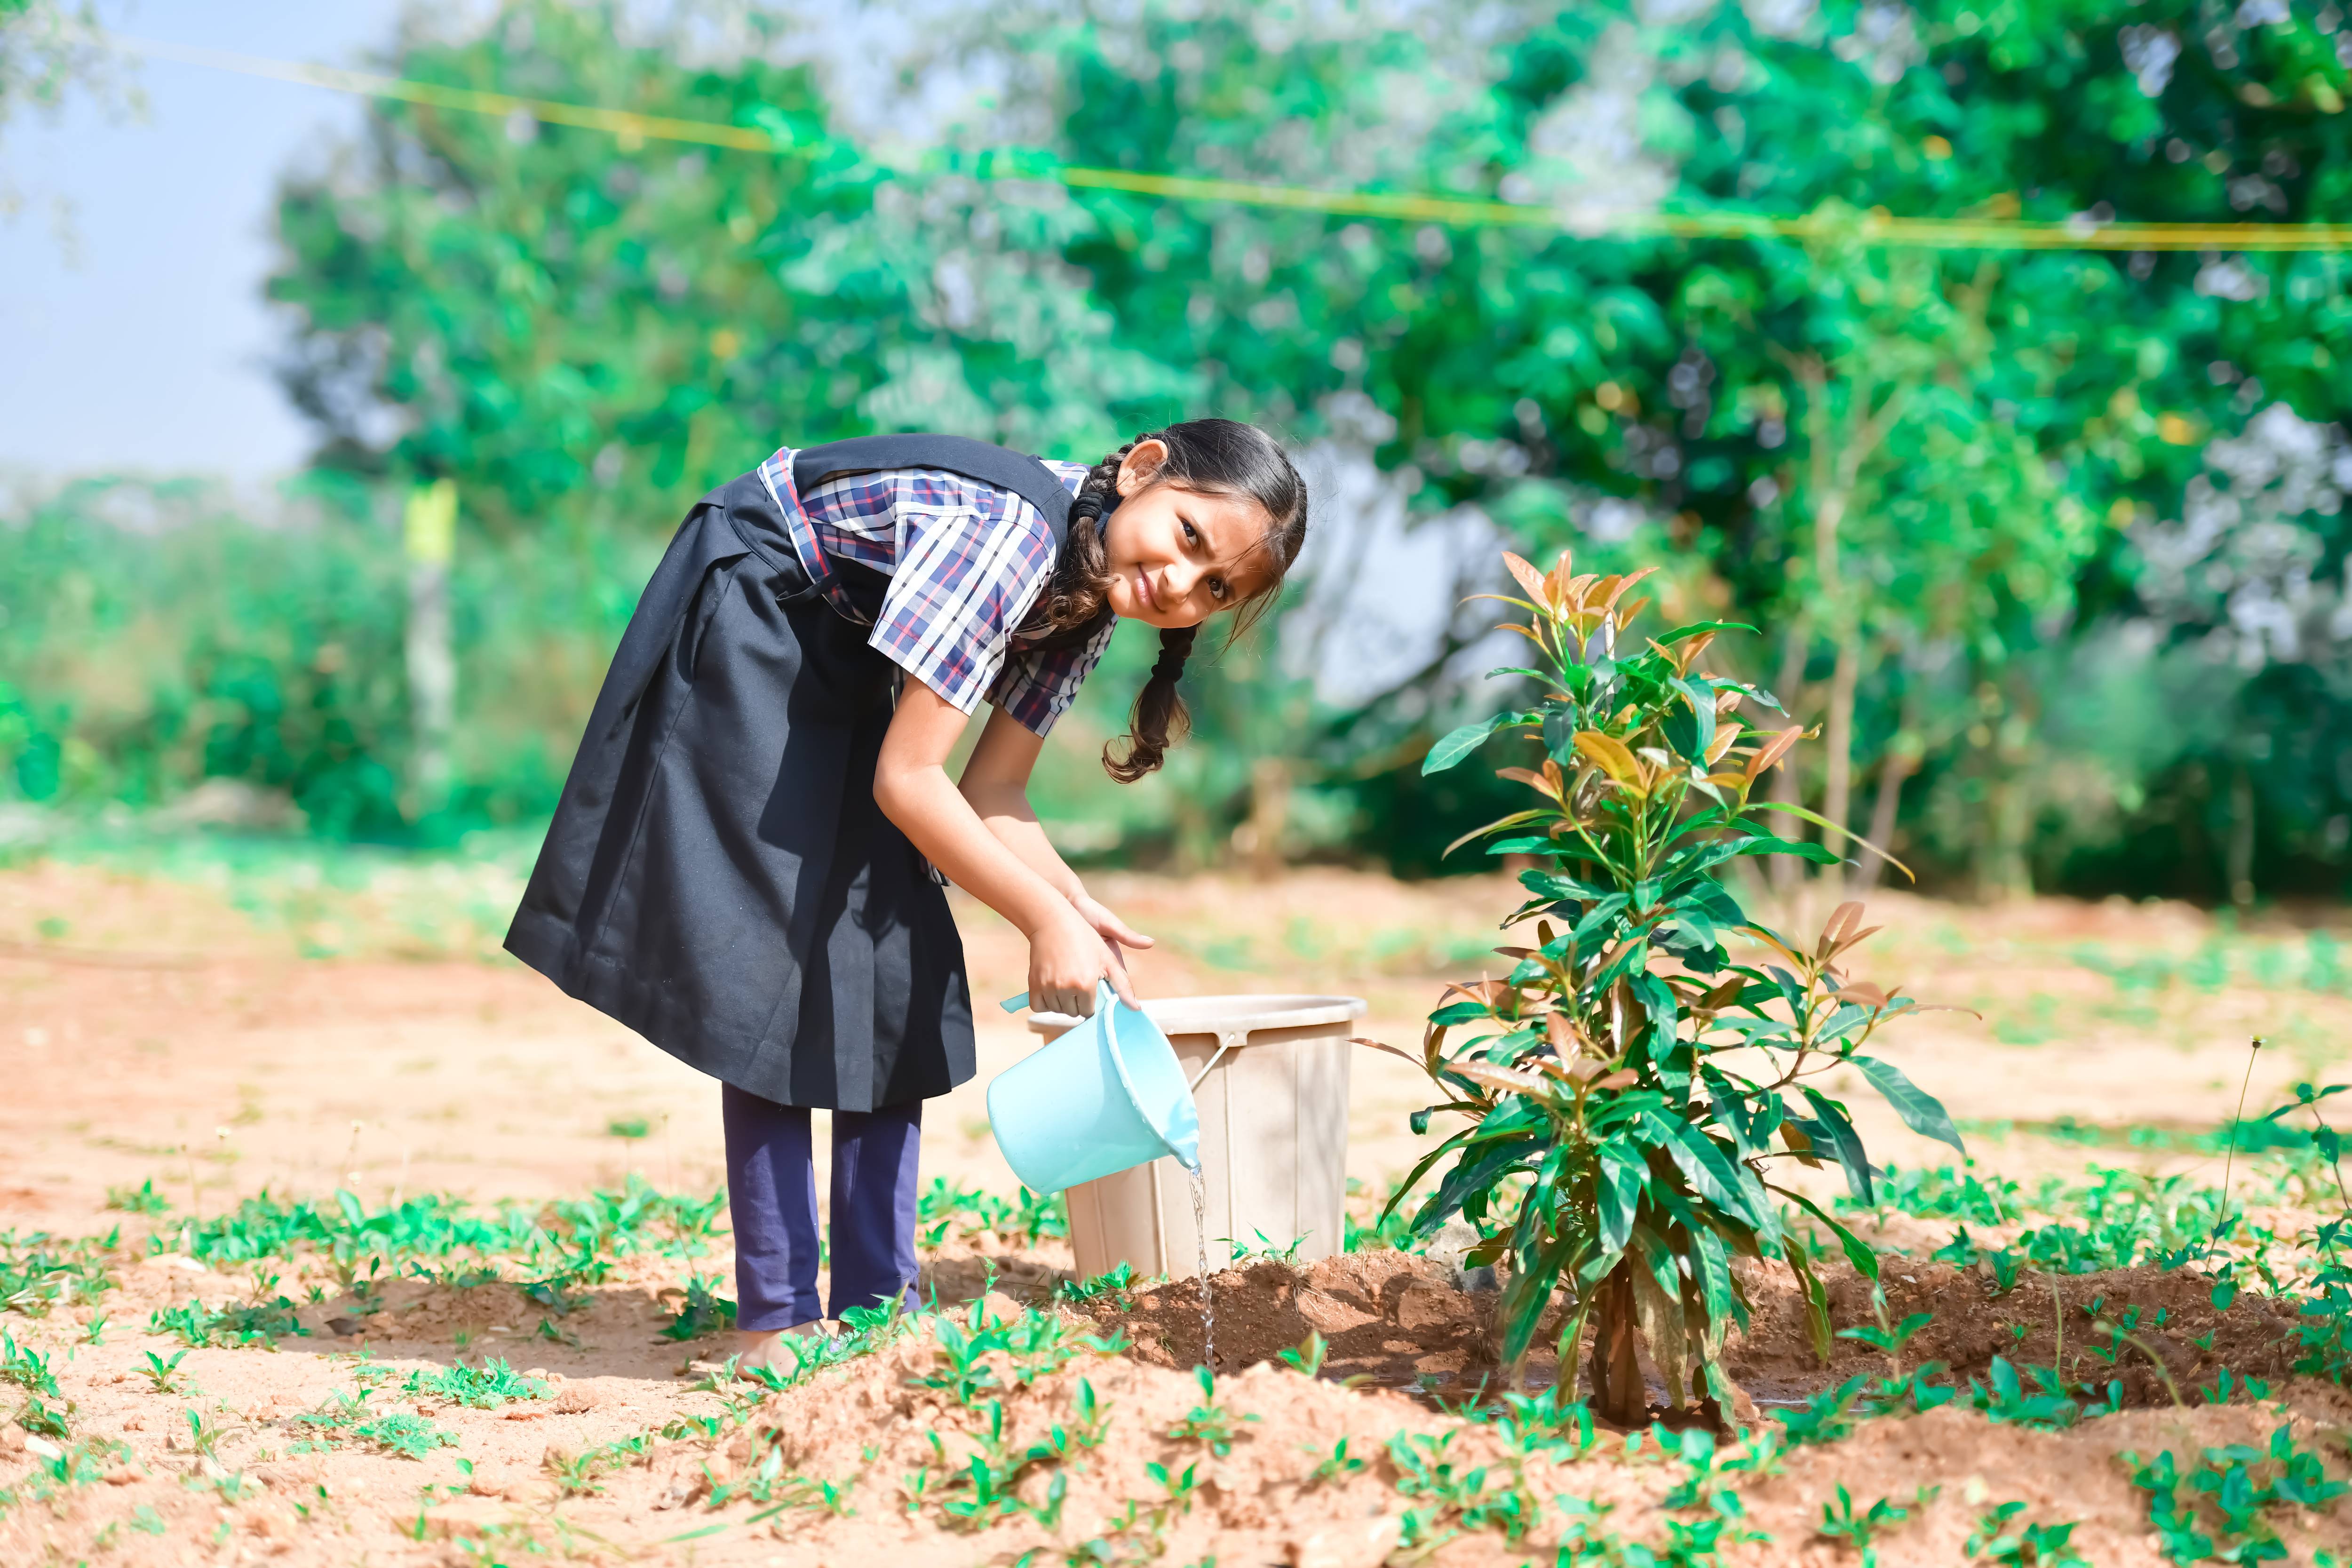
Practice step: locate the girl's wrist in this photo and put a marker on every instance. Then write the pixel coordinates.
(1047, 913)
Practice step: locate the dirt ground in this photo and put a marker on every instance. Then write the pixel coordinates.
(226, 1031)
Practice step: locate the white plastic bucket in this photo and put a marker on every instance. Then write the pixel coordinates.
(1272, 1105)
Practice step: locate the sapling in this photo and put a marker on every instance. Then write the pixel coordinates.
(1617, 1146)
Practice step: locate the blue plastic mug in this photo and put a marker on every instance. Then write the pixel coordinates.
(1106, 1095)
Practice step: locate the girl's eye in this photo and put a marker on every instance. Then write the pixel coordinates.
(1217, 588)
(1191, 535)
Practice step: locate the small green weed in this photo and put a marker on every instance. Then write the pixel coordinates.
(403, 1432)
(1037, 1343)
(1859, 1530)
(2001, 1537)
(702, 1312)
(947, 1208)
(1335, 1466)
(38, 1271)
(1115, 1285)
(2220, 1505)
(1210, 1423)
(163, 1375)
(1458, 1499)
(26, 1367)
(141, 1199)
(237, 1325)
(485, 1388)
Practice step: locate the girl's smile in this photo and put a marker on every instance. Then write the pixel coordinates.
(1177, 556)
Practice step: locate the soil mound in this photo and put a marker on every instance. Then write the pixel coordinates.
(1391, 1317)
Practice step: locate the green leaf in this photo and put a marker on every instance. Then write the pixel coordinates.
(1752, 1131)
(1625, 1175)
(1766, 844)
(1459, 743)
(1711, 1176)
(1714, 1271)
(1857, 1251)
(1921, 1111)
(1831, 1127)
(1679, 633)
(1817, 1297)
(1701, 698)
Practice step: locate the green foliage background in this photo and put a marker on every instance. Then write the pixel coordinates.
(2030, 534)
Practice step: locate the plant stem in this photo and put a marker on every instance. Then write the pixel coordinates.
(2222, 1223)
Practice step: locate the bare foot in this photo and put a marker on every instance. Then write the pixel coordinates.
(766, 1347)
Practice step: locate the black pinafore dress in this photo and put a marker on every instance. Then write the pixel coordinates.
(717, 876)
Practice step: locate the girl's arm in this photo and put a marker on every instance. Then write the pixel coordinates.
(996, 781)
(1067, 954)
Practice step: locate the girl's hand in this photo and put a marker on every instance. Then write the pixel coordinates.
(1066, 959)
(1116, 933)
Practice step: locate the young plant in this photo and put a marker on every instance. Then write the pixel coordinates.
(1209, 1423)
(702, 1312)
(165, 1376)
(1614, 1145)
(494, 1384)
(2001, 1536)
(1860, 1529)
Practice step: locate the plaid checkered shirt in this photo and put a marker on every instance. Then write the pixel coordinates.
(966, 561)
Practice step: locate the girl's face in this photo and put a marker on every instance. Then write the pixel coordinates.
(1176, 556)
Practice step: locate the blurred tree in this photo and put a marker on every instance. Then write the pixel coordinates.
(46, 50)
(575, 330)
(581, 330)
(1913, 465)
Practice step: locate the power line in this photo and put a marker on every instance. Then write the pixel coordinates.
(1875, 227)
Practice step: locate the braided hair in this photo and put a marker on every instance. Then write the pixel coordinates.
(1208, 457)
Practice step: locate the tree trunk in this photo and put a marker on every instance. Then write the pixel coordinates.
(1837, 784)
(1788, 871)
(1618, 1392)
(1901, 760)
(2239, 872)
(429, 528)
(1259, 839)
(1899, 765)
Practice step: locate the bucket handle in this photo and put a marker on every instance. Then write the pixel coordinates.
(1224, 1042)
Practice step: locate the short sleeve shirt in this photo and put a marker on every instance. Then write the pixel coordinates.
(966, 562)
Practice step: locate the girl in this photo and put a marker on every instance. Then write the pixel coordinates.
(740, 867)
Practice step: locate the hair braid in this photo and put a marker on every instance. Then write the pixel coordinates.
(1160, 718)
(1074, 596)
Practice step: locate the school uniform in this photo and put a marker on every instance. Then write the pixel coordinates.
(717, 876)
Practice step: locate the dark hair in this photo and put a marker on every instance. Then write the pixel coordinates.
(1208, 457)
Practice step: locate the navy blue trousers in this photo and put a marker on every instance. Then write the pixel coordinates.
(771, 1195)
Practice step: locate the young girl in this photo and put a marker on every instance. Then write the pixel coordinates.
(740, 867)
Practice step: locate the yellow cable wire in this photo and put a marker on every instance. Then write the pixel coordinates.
(1872, 228)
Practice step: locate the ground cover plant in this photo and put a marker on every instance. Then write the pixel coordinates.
(1622, 1132)
(1059, 1427)
(482, 1380)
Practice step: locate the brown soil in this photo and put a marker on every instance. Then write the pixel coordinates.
(169, 1037)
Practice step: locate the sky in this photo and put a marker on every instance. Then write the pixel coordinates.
(140, 342)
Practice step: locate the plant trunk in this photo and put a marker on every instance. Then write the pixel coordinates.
(1788, 871)
(1837, 787)
(1618, 1392)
